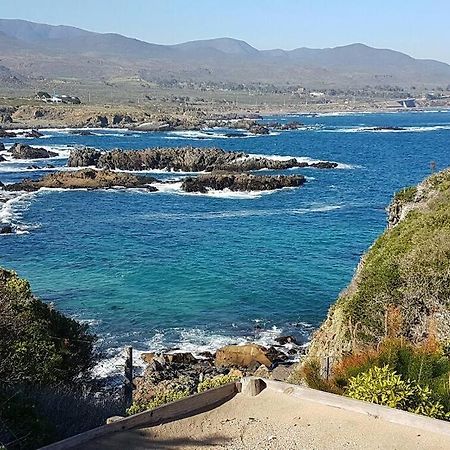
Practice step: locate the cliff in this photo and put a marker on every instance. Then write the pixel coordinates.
(402, 284)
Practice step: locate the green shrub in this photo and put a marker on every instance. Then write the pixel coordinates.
(406, 195)
(159, 399)
(216, 382)
(37, 343)
(383, 386)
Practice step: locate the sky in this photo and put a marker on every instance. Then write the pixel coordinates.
(416, 27)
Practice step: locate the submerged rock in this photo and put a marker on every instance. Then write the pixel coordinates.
(24, 151)
(240, 182)
(86, 178)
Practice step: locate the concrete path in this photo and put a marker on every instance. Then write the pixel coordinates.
(274, 421)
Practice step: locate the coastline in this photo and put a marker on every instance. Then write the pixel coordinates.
(127, 117)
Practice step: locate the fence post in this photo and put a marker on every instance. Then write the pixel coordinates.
(128, 388)
(328, 367)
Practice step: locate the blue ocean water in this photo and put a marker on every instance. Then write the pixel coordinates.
(163, 270)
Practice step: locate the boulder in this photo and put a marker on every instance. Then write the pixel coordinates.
(154, 126)
(24, 151)
(97, 121)
(262, 371)
(83, 157)
(2, 147)
(6, 229)
(147, 357)
(2, 159)
(180, 358)
(32, 134)
(281, 372)
(241, 356)
(283, 340)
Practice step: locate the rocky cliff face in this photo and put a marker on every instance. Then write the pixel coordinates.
(404, 277)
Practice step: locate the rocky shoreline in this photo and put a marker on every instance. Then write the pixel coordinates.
(182, 371)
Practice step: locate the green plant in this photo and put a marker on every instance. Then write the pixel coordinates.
(159, 399)
(215, 382)
(406, 195)
(383, 386)
(37, 343)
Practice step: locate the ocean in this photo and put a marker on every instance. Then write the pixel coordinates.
(170, 270)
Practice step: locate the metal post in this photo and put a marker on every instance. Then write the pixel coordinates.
(128, 388)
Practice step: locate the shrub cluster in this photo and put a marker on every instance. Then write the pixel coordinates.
(383, 386)
(40, 349)
(159, 398)
(215, 382)
(399, 374)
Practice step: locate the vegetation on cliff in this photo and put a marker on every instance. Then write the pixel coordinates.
(406, 269)
(386, 340)
(44, 357)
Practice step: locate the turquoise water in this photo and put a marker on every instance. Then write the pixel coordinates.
(164, 270)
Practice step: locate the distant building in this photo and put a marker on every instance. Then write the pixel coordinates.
(47, 98)
(408, 103)
(317, 94)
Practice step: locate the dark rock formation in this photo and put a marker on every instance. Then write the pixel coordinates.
(23, 151)
(2, 159)
(6, 134)
(184, 159)
(240, 182)
(385, 129)
(283, 340)
(86, 178)
(6, 229)
(2, 147)
(82, 132)
(33, 134)
(83, 157)
(97, 122)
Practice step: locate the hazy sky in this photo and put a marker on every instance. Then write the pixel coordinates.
(417, 27)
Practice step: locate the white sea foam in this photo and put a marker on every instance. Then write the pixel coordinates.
(175, 188)
(384, 130)
(211, 134)
(11, 211)
(194, 340)
(299, 159)
(241, 213)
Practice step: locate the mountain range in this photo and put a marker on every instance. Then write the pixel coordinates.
(33, 51)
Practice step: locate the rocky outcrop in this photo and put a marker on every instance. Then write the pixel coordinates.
(184, 159)
(83, 157)
(400, 287)
(23, 151)
(243, 356)
(240, 182)
(86, 178)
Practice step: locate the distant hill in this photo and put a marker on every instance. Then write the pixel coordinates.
(37, 50)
